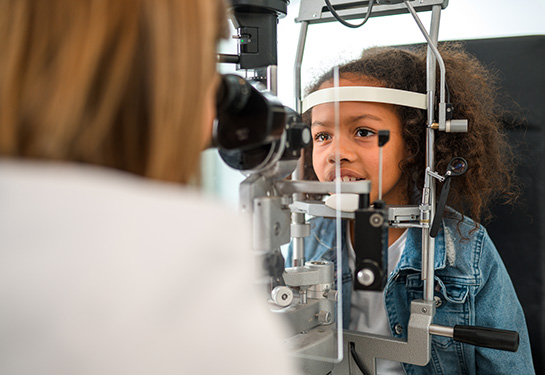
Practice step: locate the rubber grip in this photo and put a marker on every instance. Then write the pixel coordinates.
(487, 337)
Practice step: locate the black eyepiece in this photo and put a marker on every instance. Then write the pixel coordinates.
(233, 93)
(457, 166)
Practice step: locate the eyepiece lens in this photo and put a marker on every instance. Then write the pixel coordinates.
(458, 165)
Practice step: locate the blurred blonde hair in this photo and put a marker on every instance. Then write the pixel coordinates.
(118, 83)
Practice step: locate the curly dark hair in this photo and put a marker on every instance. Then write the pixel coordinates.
(473, 94)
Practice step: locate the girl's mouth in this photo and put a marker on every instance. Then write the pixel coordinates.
(347, 179)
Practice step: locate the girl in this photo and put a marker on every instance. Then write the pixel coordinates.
(472, 286)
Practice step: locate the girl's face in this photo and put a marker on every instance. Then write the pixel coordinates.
(359, 123)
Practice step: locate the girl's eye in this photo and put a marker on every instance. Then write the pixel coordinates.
(322, 137)
(362, 132)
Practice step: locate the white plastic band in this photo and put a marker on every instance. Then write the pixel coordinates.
(366, 94)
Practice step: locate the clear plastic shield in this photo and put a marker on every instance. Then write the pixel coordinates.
(333, 186)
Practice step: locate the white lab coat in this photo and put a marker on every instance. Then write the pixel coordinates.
(102, 272)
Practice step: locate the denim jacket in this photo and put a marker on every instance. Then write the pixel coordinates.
(472, 287)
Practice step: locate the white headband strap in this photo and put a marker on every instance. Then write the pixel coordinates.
(366, 94)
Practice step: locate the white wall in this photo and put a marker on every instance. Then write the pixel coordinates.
(329, 44)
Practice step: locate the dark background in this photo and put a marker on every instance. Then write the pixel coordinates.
(518, 232)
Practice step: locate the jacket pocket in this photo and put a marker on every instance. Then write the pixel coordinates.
(451, 308)
(451, 294)
(451, 305)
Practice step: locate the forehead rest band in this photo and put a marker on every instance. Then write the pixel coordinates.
(366, 94)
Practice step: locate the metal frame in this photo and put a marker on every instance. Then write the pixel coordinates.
(416, 349)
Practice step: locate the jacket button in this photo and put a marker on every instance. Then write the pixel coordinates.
(438, 301)
(398, 329)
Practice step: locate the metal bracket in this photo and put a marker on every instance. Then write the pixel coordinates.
(317, 187)
(435, 174)
(315, 11)
(415, 350)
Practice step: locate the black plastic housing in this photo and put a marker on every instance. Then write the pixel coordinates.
(371, 245)
(256, 23)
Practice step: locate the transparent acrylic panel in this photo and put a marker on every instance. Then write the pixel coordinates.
(329, 209)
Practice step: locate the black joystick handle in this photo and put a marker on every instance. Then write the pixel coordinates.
(487, 337)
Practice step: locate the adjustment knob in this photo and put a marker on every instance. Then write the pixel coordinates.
(282, 296)
(366, 277)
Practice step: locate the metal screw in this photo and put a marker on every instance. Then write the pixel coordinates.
(376, 220)
(424, 310)
(366, 277)
(324, 317)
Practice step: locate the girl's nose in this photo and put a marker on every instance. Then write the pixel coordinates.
(345, 152)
